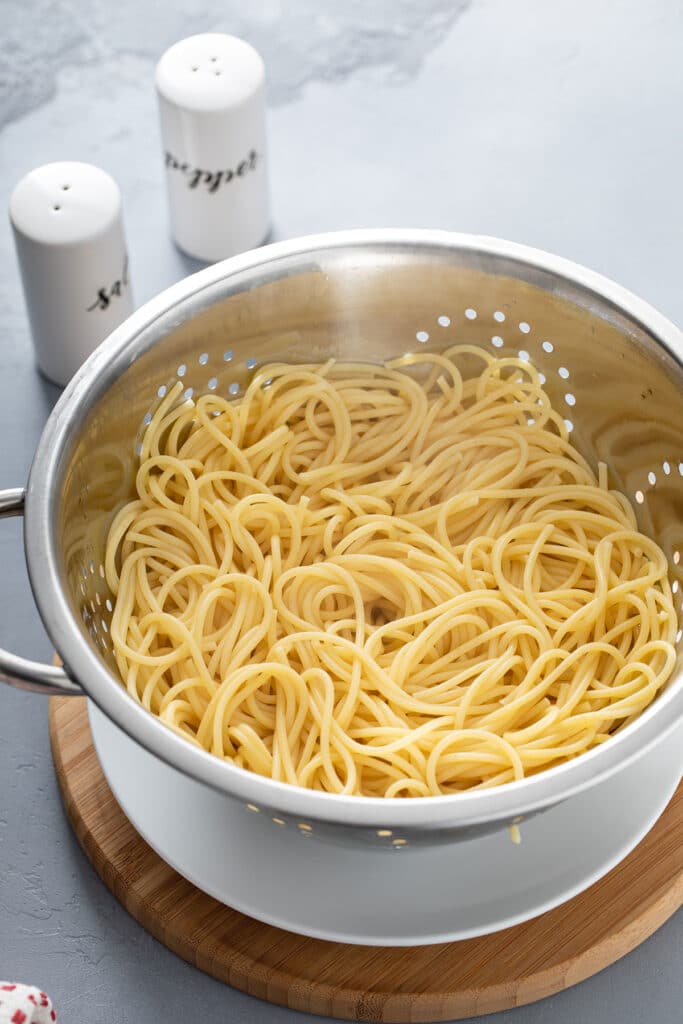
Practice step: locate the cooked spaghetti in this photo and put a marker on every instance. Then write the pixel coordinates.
(399, 580)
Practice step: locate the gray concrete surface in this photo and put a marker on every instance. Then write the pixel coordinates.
(555, 124)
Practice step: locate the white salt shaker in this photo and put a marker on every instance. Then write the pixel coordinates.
(69, 238)
(212, 110)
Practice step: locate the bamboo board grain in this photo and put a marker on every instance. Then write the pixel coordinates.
(430, 983)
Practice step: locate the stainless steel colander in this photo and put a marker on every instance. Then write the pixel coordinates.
(611, 363)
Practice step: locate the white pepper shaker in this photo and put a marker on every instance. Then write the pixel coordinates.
(68, 233)
(212, 110)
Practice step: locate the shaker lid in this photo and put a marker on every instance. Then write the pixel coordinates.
(65, 203)
(209, 72)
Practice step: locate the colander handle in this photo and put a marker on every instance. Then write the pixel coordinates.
(22, 672)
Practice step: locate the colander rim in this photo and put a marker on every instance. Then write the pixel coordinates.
(423, 813)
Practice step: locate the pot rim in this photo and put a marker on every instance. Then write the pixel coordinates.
(116, 353)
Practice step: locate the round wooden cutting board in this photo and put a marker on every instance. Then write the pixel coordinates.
(428, 983)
